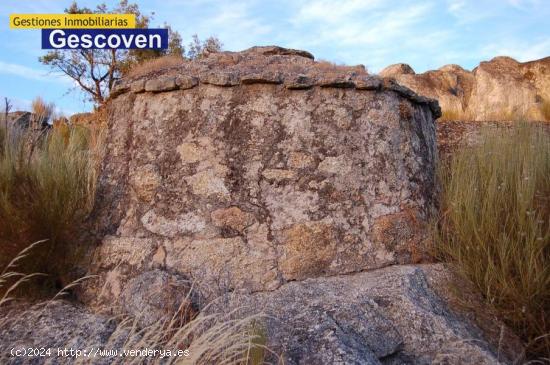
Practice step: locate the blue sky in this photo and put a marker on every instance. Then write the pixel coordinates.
(424, 33)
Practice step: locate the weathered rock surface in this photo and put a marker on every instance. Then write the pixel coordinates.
(256, 184)
(296, 186)
(392, 315)
(500, 89)
(59, 325)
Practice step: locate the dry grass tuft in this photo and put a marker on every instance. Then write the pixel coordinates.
(47, 187)
(10, 279)
(207, 339)
(155, 65)
(453, 115)
(41, 110)
(545, 109)
(327, 66)
(495, 226)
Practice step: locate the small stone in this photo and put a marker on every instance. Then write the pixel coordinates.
(299, 82)
(161, 84)
(207, 184)
(159, 257)
(220, 79)
(275, 50)
(119, 87)
(183, 224)
(336, 81)
(233, 218)
(145, 181)
(137, 86)
(262, 78)
(391, 84)
(335, 165)
(368, 83)
(186, 82)
(155, 296)
(189, 152)
(307, 250)
(300, 160)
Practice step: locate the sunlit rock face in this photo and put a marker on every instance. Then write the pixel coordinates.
(499, 89)
(265, 167)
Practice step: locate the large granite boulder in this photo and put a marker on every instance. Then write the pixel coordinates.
(255, 183)
(278, 185)
(499, 89)
(402, 314)
(40, 333)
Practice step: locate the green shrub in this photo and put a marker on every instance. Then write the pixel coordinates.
(495, 226)
(47, 184)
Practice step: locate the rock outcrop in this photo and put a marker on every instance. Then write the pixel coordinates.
(500, 89)
(243, 177)
(279, 185)
(293, 185)
(402, 314)
(395, 315)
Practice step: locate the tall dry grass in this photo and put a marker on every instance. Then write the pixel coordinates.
(47, 186)
(495, 226)
(214, 338)
(42, 112)
(11, 278)
(545, 109)
(154, 65)
(453, 115)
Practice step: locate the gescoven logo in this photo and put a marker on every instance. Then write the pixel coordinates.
(105, 39)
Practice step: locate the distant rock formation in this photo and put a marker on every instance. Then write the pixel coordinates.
(27, 120)
(500, 89)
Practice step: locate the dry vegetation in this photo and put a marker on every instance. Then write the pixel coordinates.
(510, 115)
(47, 186)
(453, 115)
(545, 109)
(495, 227)
(327, 66)
(210, 339)
(155, 65)
(215, 338)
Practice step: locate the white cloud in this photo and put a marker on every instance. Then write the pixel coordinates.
(521, 51)
(333, 11)
(524, 4)
(30, 73)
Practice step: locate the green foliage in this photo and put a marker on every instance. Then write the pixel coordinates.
(495, 226)
(47, 185)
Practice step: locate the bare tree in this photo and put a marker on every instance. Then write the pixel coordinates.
(96, 70)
